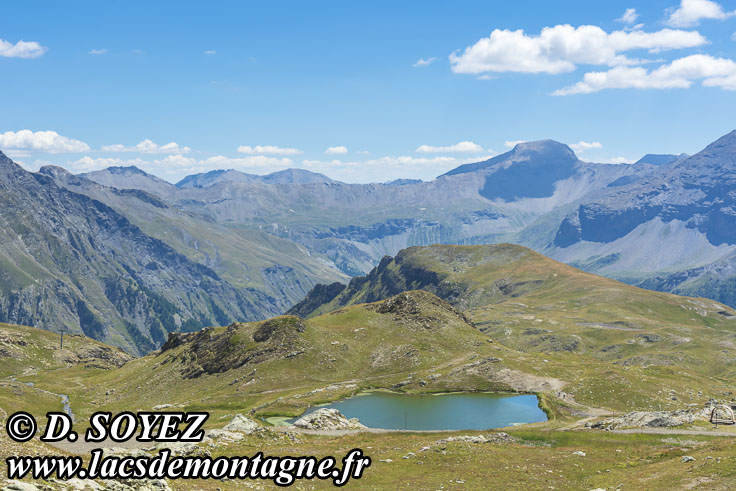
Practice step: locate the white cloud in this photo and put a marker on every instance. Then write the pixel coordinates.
(43, 141)
(460, 147)
(424, 61)
(681, 73)
(513, 143)
(561, 48)
(147, 146)
(629, 16)
(336, 150)
(21, 49)
(733, 36)
(210, 52)
(268, 150)
(18, 154)
(98, 51)
(690, 13)
(582, 146)
(617, 160)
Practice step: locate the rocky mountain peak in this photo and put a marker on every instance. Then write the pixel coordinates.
(130, 169)
(548, 152)
(718, 156)
(659, 158)
(722, 147)
(54, 171)
(8, 168)
(544, 154)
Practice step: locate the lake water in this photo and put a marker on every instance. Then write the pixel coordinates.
(459, 411)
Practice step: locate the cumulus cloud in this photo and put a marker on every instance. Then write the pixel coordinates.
(582, 146)
(43, 141)
(336, 150)
(679, 74)
(561, 48)
(98, 51)
(268, 150)
(512, 143)
(460, 147)
(21, 49)
(148, 146)
(629, 16)
(691, 12)
(424, 61)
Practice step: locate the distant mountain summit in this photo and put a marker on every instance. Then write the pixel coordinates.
(295, 176)
(130, 177)
(659, 159)
(543, 153)
(206, 179)
(529, 170)
(288, 176)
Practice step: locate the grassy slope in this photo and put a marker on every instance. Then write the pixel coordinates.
(574, 325)
(356, 348)
(543, 457)
(370, 346)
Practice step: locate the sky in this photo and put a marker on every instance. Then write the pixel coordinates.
(360, 91)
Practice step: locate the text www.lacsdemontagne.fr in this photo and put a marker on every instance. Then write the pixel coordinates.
(283, 471)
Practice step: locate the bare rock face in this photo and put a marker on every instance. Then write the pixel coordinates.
(242, 424)
(328, 419)
(652, 419)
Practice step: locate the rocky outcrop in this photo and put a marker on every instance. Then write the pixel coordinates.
(216, 351)
(496, 437)
(327, 419)
(653, 419)
(242, 424)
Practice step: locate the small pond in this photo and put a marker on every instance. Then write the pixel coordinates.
(457, 411)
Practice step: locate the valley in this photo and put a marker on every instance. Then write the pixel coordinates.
(267, 296)
(438, 319)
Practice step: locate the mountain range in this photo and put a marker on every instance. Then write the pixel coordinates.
(226, 245)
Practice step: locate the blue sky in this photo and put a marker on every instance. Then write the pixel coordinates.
(184, 87)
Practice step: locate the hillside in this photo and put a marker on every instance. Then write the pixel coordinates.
(278, 367)
(69, 261)
(686, 204)
(282, 365)
(247, 259)
(533, 304)
(514, 321)
(354, 225)
(606, 219)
